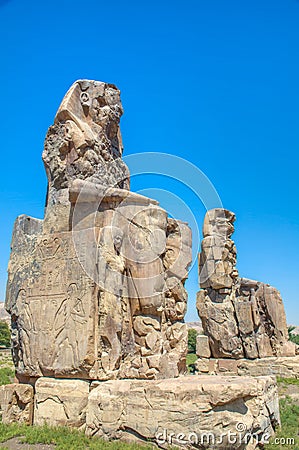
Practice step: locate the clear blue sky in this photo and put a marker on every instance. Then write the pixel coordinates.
(214, 82)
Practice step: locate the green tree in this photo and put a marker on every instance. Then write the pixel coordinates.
(4, 334)
(293, 337)
(291, 328)
(192, 340)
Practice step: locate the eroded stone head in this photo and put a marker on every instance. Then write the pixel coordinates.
(85, 140)
(220, 222)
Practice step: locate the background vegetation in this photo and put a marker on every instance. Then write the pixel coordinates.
(289, 416)
(4, 334)
(293, 337)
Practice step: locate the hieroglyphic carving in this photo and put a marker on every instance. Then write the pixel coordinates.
(51, 311)
(68, 328)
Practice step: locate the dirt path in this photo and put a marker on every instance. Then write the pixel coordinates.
(15, 444)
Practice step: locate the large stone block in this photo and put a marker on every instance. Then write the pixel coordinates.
(203, 346)
(60, 402)
(183, 408)
(16, 403)
(281, 366)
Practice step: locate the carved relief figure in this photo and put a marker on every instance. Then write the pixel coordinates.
(68, 324)
(111, 268)
(26, 328)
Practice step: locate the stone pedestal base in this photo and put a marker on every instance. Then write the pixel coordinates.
(184, 411)
(281, 366)
(201, 412)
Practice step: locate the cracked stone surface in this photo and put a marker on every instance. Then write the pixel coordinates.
(242, 318)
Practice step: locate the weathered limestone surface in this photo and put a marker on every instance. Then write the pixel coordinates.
(96, 289)
(242, 318)
(151, 410)
(281, 366)
(60, 402)
(16, 403)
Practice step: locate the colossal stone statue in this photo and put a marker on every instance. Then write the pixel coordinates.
(242, 318)
(96, 289)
